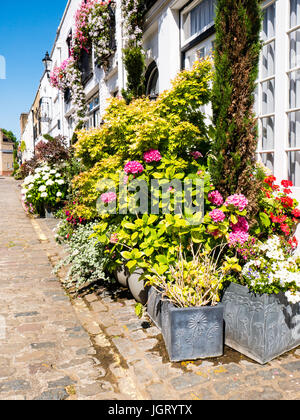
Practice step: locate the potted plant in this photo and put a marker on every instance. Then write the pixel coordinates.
(262, 311)
(191, 315)
(44, 190)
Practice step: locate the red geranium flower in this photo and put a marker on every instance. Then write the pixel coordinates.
(270, 180)
(287, 201)
(296, 213)
(285, 229)
(285, 183)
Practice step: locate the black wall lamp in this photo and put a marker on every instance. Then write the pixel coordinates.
(47, 63)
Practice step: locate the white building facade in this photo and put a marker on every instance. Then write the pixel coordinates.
(176, 33)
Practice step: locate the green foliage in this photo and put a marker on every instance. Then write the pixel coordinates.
(238, 45)
(173, 124)
(86, 258)
(134, 62)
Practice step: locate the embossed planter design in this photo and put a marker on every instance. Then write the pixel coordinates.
(192, 333)
(261, 327)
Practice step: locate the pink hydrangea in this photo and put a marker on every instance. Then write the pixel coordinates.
(196, 155)
(241, 225)
(237, 200)
(238, 237)
(133, 167)
(215, 198)
(108, 197)
(217, 215)
(152, 156)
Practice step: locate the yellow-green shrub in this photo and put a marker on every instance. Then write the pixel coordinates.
(174, 124)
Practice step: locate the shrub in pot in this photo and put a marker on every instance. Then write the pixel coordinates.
(262, 312)
(191, 315)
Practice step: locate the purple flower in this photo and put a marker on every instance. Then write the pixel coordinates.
(196, 155)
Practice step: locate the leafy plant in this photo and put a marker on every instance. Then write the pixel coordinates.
(86, 258)
(238, 45)
(195, 282)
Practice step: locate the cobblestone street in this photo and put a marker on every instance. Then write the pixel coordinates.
(93, 347)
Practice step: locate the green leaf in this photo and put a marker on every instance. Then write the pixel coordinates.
(266, 222)
(131, 265)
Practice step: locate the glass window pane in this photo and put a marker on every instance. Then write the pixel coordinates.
(295, 49)
(269, 22)
(294, 13)
(268, 160)
(268, 92)
(294, 167)
(294, 129)
(295, 89)
(268, 60)
(201, 16)
(267, 133)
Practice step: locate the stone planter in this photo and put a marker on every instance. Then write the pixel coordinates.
(137, 287)
(192, 333)
(49, 213)
(261, 327)
(154, 306)
(122, 275)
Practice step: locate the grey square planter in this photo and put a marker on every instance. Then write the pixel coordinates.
(261, 327)
(192, 333)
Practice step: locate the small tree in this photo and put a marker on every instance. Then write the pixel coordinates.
(238, 45)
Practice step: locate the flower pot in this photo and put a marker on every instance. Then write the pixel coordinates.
(137, 287)
(154, 306)
(122, 275)
(192, 333)
(261, 327)
(49, 213)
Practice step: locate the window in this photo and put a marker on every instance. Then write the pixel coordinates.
(197, 18)
(94, 118)
(267, 88)
(278, 90)
(293, 112)
(197, 31)
(86, 66)
(152, 80)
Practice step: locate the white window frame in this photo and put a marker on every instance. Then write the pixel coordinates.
(185, 12)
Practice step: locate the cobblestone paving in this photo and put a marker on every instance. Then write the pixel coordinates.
(93, 347)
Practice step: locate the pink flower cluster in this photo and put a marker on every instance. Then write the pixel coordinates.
(237, 200)
(152, 156)
(58, 75)
(196, 155)
(215, 198)
(217, 215)
(239, 234)
(108, 197)
(133, 167)
(242, 225)
(238, 237)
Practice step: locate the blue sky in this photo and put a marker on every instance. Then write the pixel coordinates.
(27, 30)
